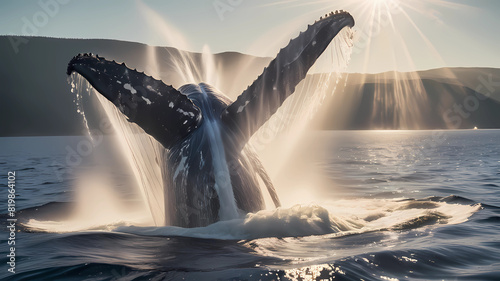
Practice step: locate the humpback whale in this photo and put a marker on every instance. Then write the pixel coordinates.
(209, 173)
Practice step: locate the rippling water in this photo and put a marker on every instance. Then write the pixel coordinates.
(379, 205)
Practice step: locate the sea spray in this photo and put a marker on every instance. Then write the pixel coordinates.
(146, 156)
(293, 118)
(142, 152)
(76, 89)
(334, 218)
(96, 207)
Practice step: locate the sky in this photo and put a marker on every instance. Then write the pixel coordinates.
(402, 35)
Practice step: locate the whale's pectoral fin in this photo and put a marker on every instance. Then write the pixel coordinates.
(160, 110)
(278, 81)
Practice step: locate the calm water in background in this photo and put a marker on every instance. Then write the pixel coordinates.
(390, 206)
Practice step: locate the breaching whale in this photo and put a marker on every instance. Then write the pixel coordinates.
(209, 174)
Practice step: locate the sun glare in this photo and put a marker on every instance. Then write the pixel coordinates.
(385, 38)
(378, 1)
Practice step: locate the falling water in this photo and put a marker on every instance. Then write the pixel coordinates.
(143, 153)
(76, 86)
(195, 68)
(294, 116)
(309, 95)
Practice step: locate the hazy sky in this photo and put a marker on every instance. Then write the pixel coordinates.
(406, 34)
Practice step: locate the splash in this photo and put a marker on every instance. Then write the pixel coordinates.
(143, 153)
(194, 68)
(310, 94)
(294, 117)
(76, 85)
(336, 219)
(228, 209)
(146, 156)
(191, 67)
(97, 208)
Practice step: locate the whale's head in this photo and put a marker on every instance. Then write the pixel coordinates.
(210, 100)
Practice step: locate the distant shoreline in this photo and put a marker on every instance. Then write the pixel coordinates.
(36, 98)
(370, 130)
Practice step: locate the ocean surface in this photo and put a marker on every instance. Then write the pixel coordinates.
(357, 205)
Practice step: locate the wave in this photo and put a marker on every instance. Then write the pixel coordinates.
(342, 217)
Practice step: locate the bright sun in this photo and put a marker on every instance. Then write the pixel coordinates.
(387, 3)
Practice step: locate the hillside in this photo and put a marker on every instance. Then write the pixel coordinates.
(411, 105)
(35, 97)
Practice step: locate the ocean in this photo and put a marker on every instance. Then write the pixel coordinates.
(357, 205)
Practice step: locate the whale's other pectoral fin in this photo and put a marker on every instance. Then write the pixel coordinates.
(278, 81)
(159, 109)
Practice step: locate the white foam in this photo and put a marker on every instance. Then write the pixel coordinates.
(339, 218)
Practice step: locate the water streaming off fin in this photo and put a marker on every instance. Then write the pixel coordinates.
(295, 115)
(143, 153)
(146, 156)
(76, 88)
(322, 80)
